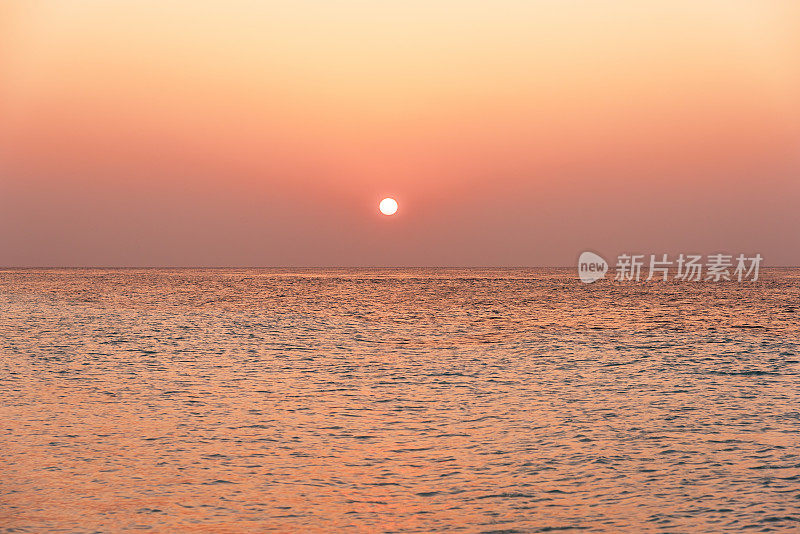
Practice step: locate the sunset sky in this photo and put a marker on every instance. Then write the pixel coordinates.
(512, 132)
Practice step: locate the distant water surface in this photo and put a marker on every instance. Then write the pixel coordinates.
(396, 401)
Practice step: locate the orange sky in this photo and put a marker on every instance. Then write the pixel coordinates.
(512, 132)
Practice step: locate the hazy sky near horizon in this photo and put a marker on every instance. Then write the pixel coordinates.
(216, 133)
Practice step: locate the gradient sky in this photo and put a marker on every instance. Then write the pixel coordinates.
(512, 133)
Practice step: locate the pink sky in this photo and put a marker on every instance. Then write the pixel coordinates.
(243, 133)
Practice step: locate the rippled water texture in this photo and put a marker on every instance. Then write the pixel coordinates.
(403, 401)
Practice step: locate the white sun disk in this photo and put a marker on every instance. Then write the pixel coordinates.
(388, 206)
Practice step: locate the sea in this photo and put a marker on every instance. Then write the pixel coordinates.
(397, 400)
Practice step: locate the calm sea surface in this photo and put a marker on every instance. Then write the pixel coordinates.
(396, 401)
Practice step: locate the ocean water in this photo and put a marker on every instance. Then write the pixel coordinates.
(396, 401)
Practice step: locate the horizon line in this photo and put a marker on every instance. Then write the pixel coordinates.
(220, 267)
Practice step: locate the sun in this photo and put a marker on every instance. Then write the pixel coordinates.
(388, 206)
